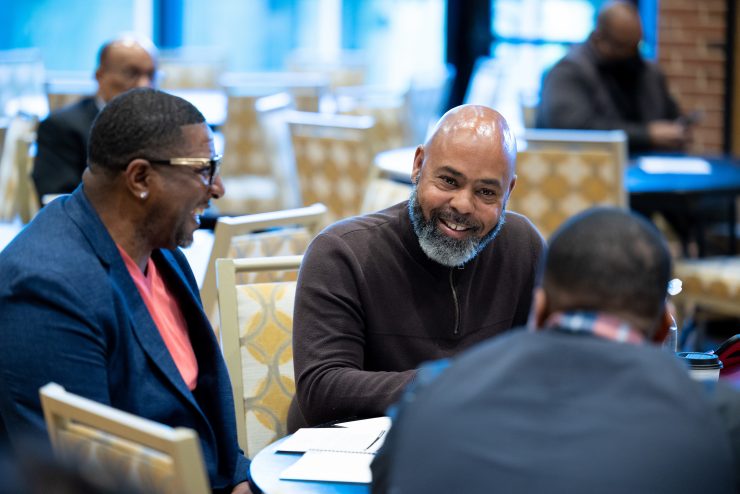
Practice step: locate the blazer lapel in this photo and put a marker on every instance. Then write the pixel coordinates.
(144, 329)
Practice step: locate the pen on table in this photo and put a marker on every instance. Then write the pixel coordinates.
(376, 439)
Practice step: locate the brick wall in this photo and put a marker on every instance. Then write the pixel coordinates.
(691, 52)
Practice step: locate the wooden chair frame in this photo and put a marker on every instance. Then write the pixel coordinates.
(227, 270)
(181, 444)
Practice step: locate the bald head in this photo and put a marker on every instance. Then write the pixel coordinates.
(618, 30)
(474, 126)
(127, 62)
(462, 176)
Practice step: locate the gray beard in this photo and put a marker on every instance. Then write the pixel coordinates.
(439, 247)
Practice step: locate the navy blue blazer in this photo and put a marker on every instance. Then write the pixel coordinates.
(70, 313)
(61, 154)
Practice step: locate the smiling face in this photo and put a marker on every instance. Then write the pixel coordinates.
(180, 194)
(463, 178)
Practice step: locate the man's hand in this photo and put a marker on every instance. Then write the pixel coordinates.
(668, 135)
(242, 488)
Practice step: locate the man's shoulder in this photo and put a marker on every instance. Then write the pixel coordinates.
(359, 226)
(578, 60)
(51, 242)
(82, 111)
(519, 229)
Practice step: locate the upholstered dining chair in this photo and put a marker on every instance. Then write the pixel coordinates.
(247, 173)
(711, 288)
(334, 155)
(256, 340)
(17, 192)
(152, 457)
(277, 233)
(384, 188)
(387, 107)
(560, 173)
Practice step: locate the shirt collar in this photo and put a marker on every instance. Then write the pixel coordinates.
(598, 324)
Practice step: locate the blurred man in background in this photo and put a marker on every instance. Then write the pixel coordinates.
(124, 63)
(604, 84)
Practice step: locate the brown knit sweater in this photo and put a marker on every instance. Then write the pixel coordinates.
(371, 307)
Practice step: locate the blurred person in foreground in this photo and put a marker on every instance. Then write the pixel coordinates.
(97, 296)
(379, 294)
(605, 84)
(586, 400)
(124, 63)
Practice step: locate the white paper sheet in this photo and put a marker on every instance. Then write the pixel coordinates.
(363, 439)
(675, 164)
(331, 466)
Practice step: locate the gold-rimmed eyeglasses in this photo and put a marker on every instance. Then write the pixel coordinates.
(207, 168)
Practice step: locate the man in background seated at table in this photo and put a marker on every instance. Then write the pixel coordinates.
(584, 401)
(379, 294)
(124, 63)
(605, 84)
(98, 297)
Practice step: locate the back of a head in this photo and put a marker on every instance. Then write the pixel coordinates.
(128, 39)
(140, 123)
(608, 260)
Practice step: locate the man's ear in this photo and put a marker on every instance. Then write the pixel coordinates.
(539, 311)
(664, 325)
(418, 161)
(511, 185)
(138, 177)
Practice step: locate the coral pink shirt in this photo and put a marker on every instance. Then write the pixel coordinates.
(167, 316)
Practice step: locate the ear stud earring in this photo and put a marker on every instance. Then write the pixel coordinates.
(143, 195)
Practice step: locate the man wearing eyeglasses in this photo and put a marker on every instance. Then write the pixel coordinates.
(124, 63)
(604, 84)
(97, 296)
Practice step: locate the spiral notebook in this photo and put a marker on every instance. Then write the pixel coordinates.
(336, 454)
(331, 466)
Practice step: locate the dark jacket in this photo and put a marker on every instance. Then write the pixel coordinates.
(574, 96)
(70, 313)
(556, 412)
(371, 307)
(61, 154)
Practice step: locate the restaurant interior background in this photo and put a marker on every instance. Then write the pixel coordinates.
(394, 40)
(48, 48)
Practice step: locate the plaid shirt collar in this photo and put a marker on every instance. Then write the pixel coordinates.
(595, 323)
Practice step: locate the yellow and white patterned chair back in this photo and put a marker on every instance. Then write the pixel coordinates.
(256, 339)
(334, 156)
(272, 114)
(387, 107)
(17, 192)
(117, 459)
(192, 67)
(712, 283)
(283, 242)
(306, 88)
(247, 174)
(559, 178)
(384, 192)
(288, 232)
(121, 447)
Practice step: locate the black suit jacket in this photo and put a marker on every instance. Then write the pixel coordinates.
(61, 156)
(556, 412)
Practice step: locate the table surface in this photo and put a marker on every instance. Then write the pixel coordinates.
(268, 465)
(724, 176)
